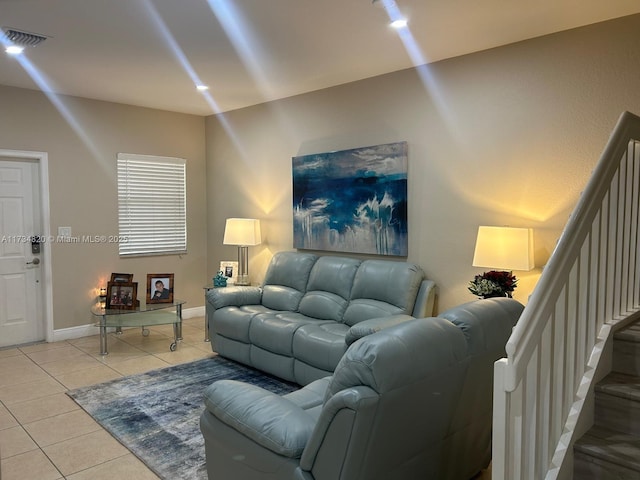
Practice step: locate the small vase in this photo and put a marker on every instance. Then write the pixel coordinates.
(220, 280)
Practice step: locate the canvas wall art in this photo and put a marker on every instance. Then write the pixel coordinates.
(352, 200)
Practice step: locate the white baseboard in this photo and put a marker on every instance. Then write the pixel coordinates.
(193, 312)
(90, 329)
(74, 332)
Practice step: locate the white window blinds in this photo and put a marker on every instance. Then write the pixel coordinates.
(152, 210)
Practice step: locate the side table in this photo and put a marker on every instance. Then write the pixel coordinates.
(143, 316)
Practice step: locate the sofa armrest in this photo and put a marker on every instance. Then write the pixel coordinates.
(268, 419)
(234, 296)
(373, 325)
(425, 300)
(333, 431)
(311, 396)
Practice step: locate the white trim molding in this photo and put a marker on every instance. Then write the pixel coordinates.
(47, 290)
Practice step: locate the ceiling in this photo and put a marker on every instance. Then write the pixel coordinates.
(151, 53)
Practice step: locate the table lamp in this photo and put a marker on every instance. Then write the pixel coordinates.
(243, 232)
(504, 248)
(501, 248)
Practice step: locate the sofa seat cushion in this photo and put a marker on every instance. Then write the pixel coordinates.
(320, 345)
(365, 308)
(233, 322)
(274, 331)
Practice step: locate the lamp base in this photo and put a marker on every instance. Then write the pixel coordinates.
(243, 266)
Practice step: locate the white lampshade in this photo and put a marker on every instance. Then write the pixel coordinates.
(504, 248)
(242, 231)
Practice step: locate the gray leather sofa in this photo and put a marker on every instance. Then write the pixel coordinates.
(295, 324)
(413, 401)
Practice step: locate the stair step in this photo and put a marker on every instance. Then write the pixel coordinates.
(620, 385)
(626, 350)
(610, 450)
(630, 333)
(604, 454)
(617, 403)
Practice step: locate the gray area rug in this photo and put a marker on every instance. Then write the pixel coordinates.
(156, 414)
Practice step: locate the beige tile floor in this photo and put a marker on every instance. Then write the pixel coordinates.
(44, 435)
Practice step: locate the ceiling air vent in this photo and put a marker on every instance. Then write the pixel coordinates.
(25, 39)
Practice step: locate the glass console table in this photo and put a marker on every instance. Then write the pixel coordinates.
(143, 316)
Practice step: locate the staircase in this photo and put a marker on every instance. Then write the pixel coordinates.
(611, 448)
(589, 290)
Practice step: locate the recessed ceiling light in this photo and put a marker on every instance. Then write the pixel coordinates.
(202, 88)
(14, 49)
(399, 23)
(383, 3)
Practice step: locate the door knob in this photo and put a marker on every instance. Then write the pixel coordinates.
(35, 261)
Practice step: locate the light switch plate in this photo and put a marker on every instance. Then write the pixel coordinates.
(64, 231)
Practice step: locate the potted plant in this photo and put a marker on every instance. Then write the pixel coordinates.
(493, 284)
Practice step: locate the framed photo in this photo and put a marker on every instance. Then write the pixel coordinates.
(122, 278)
(123, 296)
(160, 288)
(230, 270)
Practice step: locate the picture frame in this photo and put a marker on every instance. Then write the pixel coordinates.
(121, 278)
(122, 296)
(160, 288)
(230, 270)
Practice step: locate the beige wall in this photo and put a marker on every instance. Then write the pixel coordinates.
(82, 169)
(502, 137)
(506, 136)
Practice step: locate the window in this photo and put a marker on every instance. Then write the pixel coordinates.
(152, 211)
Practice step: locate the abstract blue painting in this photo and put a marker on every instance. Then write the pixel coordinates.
(352, 200)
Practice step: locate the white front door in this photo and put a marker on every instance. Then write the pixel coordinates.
(21, 319)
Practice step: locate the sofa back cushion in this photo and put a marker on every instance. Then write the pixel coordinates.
(403, 354)
(487, 324)
(329, 288)
(401, 383)
(382, 288)
(286, 280)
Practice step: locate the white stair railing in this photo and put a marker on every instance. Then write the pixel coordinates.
(591, 282)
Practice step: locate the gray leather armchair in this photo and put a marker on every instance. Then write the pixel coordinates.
(399, 401)
(367, 421)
